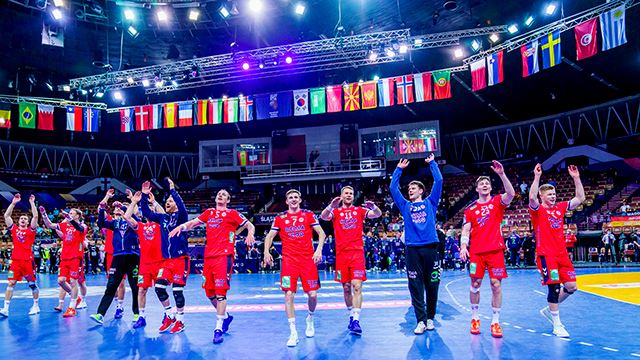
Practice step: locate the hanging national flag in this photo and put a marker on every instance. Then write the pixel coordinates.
(270, 106)
(369, 94)
(334, 98)
(142, 117)
(586, 39)
(45, 117)
(613, 28)
(5, 116)
(551, 53)
(170, 115)
(423, 86)
(185, 113)
(27, 115)
(127, 119)
(404, 86)
(478, 74)
(318, 100)
(91, 118)
(301, 102)
(156, 117)
(442, 84)
(351, 97)
(385, 91)
(230, 109)
(245, 108)
(215, 111)
(201, 112)
(74, 118)
(494, 68)
(529, 53)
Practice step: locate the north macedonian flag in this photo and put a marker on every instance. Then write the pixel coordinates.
(352, 97)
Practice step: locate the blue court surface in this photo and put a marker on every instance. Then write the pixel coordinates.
(600, 327)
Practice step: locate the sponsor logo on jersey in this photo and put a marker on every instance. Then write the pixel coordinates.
(286, 282)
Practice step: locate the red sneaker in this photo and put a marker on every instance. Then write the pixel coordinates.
(69, 313)
(78, 301)
(475, 326)
(177, 328)
(496, 330)
(167, 323)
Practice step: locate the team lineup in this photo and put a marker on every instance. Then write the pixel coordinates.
(147, 245)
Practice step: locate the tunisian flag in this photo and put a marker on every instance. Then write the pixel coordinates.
(586, 39)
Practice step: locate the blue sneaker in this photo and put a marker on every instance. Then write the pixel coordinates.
(119, 314)
(97, 318)
(141, 322)
(350, 322)
(217, 337)
(226, 323)
(355, 328)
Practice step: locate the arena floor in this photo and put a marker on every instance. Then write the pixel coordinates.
(602, 320)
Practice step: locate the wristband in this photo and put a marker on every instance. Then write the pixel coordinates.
(329, 208)
(464, 240)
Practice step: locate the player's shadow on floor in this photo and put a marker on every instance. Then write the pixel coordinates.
(443, 310)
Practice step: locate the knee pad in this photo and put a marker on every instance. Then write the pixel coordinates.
(221, 297)
(474, 290)
(10, 288)
(33, 286)
(568, 292)
(179, 296)
(161, 291)
(554, 293)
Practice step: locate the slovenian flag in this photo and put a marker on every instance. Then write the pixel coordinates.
(494, 68)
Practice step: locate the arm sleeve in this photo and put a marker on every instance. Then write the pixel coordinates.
(76, 225)
(436, 189)
(146, 212)
(103, 223)
(183, 215)
(400, 201)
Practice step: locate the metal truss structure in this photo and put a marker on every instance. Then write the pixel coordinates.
(595, 124)
(562, 25)
(98, 163)
(49, 101)
(310, 56)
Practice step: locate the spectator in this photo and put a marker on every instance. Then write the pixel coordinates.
(608, 240)
(635, 240)
(513, 244)
(524, 187)
(570, 241)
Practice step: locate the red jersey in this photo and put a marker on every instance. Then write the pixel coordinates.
(485, 220)
(72, 241)
(22, 242)
(570, 240)
(347, 226)
(296, 233)
(221, 231)
(108, 238)
(150, 242)
(548, 224)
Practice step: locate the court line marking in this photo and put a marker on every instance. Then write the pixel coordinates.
(531, 330)
(634, 354)
(585, 343)
(610, 349)
(539, 292)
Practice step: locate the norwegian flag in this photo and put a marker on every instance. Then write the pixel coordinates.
(404, 85)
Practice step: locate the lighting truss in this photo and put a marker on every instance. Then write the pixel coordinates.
(48, 101)
(562, 25)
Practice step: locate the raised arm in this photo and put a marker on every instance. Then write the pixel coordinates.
(128, 215)
(7, 214)
(400, 201)
(533, 189)
(183, 215)
(327, 213)
(193, 223)
(509, 191)
(45, 219)
(580, 197)
(34, 212)
(374, 211)
(144, 204)
(436, 189)
(317, 255)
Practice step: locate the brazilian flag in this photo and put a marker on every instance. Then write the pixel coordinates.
(27, 115)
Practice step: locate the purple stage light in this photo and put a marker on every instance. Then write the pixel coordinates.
(245, 66)
(288, 60)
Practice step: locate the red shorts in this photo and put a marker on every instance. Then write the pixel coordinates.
(147, 274)
(107, 263)
(493, 262)
(175, 270)
(305, 269)
(350, 266)
(216, 276)
(81, 278)
(555, 269)
(71, 269)
(22, 269)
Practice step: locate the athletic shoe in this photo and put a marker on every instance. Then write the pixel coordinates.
(225, 323)
(430, 325)
(355, 328)
(119, 314)
(350, 322)
(82, 305)
(97, 318)
(496, 330)
(420, 329)
(4, 312)
(58, 309)
(560, 331)
(78, 301)
(310, 331)
(293, 340)
(69, 313)
(177, 328)
(475, 326)
(547, 314)
(140, 322)
(217, 337)
(167, 323)
(35, 309)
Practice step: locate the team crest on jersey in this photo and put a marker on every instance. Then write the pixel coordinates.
(490, 206)
(301, 219)
(477, 212)
(224, 214)
(355, 213)
(286, 222)
(342, 214)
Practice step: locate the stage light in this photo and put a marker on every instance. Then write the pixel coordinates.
(376, 78)
(390, 52)
(512, 29)
(194, 14)
(162, 15)
(300, 9)
(550, 9)
(132, 31)
(494, 38)
(83, 92)
(56, 13)
(417, 42)
(529, 21)
(130, 80)
(159, 83)
(49, 85)
(458, 53)
(117, 95)
(58, 3)
(145, 83)
(66, 88)
(261, 65)
(403, 49)
(256, 6)
(245, 66)
(373, 55)
(475, 45)
(224, 12)
(129, 14)
(174, 83)
(288, 60)
(99, 93)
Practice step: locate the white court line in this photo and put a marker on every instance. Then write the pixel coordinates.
(565, 339)
(610, 349)
(634, 354)
(539, 292)
(585, 343)
(451, 294)
(531, 330)
(506, 323)
(545, 334)
(517, 327)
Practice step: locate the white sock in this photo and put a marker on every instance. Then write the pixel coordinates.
(141, 312)
(120, 304)
(179, 315)
(555, 316)
(350, 309)
(219, 321)
(356, 314)
(292, 326)
(6, 304)
(474, 311)
(496, 315)
(72, 304)
(60, 303)
(35, 301)
(168, 312)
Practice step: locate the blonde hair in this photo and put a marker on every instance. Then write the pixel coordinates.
(545, 188)
(345, 188)
(483, 178)
(293, 191)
